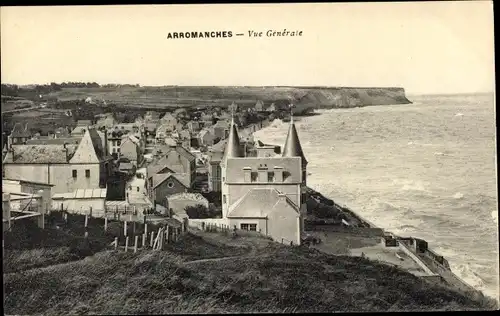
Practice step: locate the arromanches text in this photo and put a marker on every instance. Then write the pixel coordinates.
(212, 34)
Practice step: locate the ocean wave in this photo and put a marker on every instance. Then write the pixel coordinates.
(458, 195)
(494, 215)
(466, 273)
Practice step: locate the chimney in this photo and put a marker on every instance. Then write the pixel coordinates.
(262, 173)
(247, 174)
(10, 153)
(65, 146)
(278, 174)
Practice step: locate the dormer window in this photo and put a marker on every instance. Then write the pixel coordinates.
(270, 176)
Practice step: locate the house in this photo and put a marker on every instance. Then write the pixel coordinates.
(185, 134)
(173, 171)
(130, 148)
(214, 171)
(179, 126)
(62, 132)
(271, 108)
(106, 122)
(233, 108)
(19, 135)
(259, 106)
(151, 116)
(68, 166)
(175, 159)
(206, 137)
(163, 131)
(114, 140)
(221, 129)
(169, 120)
(165, 184)
(193, 126)
(262, 193)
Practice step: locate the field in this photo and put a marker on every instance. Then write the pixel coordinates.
(175, 96)
(211, 273)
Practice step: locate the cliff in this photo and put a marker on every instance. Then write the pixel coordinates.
(175, 96)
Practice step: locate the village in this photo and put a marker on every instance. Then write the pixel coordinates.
(156, 168)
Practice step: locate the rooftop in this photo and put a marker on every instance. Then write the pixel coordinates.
(25, 154)
(82, 194)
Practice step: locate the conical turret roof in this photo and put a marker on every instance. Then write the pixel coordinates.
(233, 148)
(292, 144)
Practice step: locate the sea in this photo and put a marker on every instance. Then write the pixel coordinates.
(425, 170)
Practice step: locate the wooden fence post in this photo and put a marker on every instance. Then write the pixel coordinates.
(152, 238)
(144, 236)
(146, 229)
(167, 229)
(136, 240)
(126, 244)
(105, 223)
(116, 243)
(86, 220)
(125, 228)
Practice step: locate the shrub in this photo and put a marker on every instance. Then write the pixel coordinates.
(201, 211)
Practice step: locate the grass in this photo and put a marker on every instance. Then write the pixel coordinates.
(216, 273)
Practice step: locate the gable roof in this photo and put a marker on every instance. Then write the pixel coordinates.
(26, 154)
(157, 166)
(258, 203)
(183, 152)
(159, 178)
(130, 138)
(90, 149)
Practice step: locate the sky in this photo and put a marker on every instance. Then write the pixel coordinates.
(424, 47)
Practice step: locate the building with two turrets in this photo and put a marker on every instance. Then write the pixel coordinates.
(265, 193)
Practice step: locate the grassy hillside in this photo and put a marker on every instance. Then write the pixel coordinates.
(215, 273)
(316, 97)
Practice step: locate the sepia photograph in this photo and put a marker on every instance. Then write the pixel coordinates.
(249, 158)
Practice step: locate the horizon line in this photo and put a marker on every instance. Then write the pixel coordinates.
(264, 86)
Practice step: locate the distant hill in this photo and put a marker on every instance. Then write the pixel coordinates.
(303, 97)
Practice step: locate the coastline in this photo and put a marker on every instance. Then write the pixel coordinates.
(437, 263)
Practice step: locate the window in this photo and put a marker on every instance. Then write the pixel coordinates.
(87, 173)
(114, 150)
(118, 150)
(74, 173)
(170, 184)
(224, 199)
(270, 176)
(137, 189)
(251, 227)
(118, 142)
